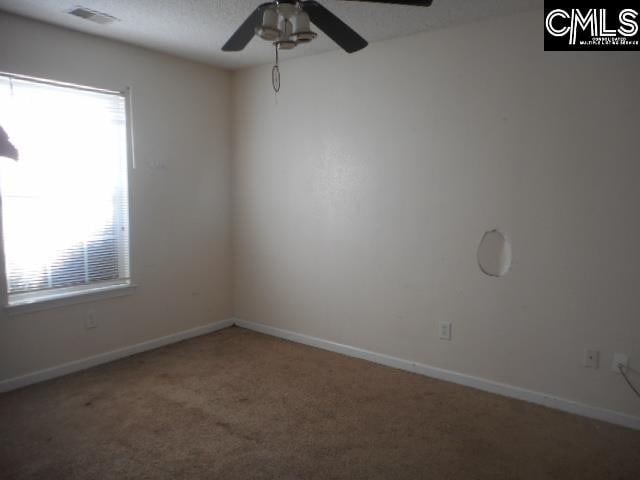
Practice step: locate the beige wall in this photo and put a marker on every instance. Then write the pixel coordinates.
(361, 195)
(179, 214)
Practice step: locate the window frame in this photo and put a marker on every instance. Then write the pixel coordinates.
(82, 293)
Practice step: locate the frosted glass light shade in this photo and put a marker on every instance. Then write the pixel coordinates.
(301, 28)
(268, 30)
(286, 41)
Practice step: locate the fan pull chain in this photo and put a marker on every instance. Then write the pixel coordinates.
(275, 77)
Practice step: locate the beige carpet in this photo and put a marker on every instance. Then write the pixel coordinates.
(240, 405)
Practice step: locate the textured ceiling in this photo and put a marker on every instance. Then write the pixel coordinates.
(197, 29)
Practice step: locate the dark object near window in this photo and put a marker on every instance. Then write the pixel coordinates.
(6, 148)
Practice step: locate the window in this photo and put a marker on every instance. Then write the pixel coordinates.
(65, 212)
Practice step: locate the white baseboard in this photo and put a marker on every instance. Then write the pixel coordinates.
(539, 398)
(82, 364)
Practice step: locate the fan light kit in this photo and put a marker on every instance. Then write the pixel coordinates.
(287, 23)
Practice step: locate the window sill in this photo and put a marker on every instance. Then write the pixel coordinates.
(71, 299)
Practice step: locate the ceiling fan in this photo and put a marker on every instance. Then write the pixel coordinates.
(286, 23)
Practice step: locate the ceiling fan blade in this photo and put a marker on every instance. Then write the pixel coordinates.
(246, 31)
(415, 3)
(336, 29)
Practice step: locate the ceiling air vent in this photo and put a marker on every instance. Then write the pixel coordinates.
(92, 15)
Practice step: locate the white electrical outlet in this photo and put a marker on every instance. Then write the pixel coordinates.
(90, 322)
(591, 358)
(445, 330)
(619, 359)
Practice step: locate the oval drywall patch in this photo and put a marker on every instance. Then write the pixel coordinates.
(494, 253)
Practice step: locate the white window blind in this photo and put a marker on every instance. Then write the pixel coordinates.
(65, 219)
